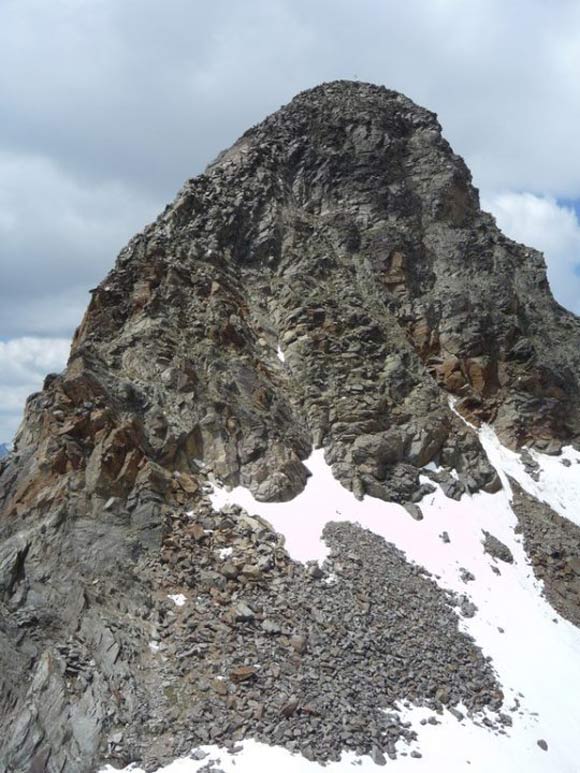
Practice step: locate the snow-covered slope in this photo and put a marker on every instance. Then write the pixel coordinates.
(535, 652)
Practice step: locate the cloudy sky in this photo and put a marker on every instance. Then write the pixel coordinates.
(107, 106)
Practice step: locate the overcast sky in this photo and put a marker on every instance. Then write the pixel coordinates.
(107, 106)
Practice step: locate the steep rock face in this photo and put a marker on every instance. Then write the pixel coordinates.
(344, 230)
(328, 281)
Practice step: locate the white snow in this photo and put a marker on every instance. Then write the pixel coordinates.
(537, 656)
(280, 354)
(534, 655)
(178, 599)
(225, 553)
(558, 484)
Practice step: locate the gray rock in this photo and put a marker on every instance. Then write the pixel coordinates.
(299, 643)
(242, 613)
(378, 757)
(497, 549)
(271, 626)
(414, 511)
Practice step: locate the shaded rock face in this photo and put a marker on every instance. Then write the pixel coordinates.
(343, 232)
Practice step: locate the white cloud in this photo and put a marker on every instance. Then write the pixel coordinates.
(108, 106)
(542, 223)
(24, 362)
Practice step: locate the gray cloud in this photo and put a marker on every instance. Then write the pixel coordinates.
(58, 237)
(23, 363)
(550, 227)
(149, 92)
(109, 106)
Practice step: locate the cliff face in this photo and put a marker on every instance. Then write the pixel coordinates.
(328, 281)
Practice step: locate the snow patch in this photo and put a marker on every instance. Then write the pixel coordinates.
(533, 655)
(178, 599)
(280, 354)
(559, 476)
(535, 652)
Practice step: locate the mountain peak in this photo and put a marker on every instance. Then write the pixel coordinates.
(321, 116)
(328, 284)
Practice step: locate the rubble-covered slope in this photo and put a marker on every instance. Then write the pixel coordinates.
(329, 281)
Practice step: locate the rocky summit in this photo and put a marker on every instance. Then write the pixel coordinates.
(330, 281)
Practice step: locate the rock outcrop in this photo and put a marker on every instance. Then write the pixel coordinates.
(331, 281)
(553, 546)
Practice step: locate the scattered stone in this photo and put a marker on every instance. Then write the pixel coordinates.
(314, 570)
(242, 613)
(414, 511)
(467, 607)
(220, 687)
(466, 575)
(495, 548)
(377, 756)
(271, 626)
(242, 674)
(298, 643)
(229, 570)
(530, 465)
(289, 707)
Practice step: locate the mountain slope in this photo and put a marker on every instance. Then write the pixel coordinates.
(329, 281)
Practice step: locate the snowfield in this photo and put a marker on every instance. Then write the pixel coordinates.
(536, 653)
